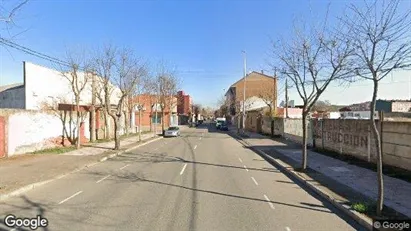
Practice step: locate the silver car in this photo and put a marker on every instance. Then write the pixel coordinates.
(172, 132)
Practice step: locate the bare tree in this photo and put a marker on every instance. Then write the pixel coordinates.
(120, 71)
(312, 60)
(9, 11)
(268, 95)
(167, 86)
(380, 33)
(78, 75)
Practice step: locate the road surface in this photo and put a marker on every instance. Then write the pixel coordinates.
(203, 180)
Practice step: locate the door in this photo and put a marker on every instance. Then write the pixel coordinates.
(2, 137)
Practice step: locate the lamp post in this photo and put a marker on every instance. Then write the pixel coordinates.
(245, 78)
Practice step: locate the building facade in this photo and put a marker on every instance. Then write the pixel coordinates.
(393, 105)
(259, 89)
(151, 115)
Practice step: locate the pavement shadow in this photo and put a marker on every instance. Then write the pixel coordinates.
(139, 177)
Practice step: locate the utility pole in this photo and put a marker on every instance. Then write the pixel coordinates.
(286, 98)
(245, 78)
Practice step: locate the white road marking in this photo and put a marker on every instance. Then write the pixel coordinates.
(200, 138)
(240, 159)
(124, 166)
(246, 168)
(103, 179)
(182, 170)
(156, 149)
(287, 228)
(70, 197)
(255, 182)
(195, 147)
(269, 201)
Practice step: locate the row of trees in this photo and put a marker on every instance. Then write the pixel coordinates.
(369, 42)
(115, 78)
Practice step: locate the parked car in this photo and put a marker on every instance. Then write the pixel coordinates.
(172, 132)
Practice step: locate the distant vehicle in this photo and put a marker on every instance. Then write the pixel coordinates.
(172, 132)
(223, 126)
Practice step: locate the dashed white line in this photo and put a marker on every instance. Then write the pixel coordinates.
(182, 170)
(195, 147)
(240, 159)
(246, 168)
(287, 228)
(255, 182)
(70, 197)
(200, 138)
(124, 166)
(103, 179)
(269, 201)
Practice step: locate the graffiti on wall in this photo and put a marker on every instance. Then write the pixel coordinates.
(352, 133)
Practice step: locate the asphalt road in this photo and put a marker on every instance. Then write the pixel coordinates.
(203, 180)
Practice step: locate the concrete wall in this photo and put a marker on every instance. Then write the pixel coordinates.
(401, 107)
(38, 80)
(12, 98)
(28, 130)
(397, 144)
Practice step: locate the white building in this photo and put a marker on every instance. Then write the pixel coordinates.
(42, 86)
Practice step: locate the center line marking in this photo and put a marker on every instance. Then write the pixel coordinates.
(255, 182)
(68, 198)
(246, 168)
(195, 147)
(182, 170)
(240, 159)
(124, 166)
(103, 179)
(269, 202)
(287, 228)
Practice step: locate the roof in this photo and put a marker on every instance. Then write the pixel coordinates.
(254, 72)
(11, 86)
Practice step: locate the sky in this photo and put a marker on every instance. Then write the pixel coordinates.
(204, 39)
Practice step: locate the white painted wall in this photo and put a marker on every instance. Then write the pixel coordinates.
(44, 84)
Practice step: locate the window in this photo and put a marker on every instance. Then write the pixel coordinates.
(153, 119)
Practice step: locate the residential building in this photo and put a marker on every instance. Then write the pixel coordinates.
(149, 118)
(260, 88)
(184, 107)
(292, 112)
(393, 105)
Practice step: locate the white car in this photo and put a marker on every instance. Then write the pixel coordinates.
(172, 132)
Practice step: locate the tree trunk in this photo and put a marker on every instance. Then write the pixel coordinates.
(377, 138)
(139, 124)
(127, 122)
(93, 124)
(106, 125)
(117, 133)
(162, 121)
(78, 122)
(304, 147)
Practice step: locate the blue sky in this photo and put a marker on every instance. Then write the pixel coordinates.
(202, 38)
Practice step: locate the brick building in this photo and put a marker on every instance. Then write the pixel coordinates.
(184, 106)
(258, 85)
(148, 114)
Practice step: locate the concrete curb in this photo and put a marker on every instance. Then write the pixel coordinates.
(40, 183)
(356, 216)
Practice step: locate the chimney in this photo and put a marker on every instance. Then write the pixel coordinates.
(262, 71)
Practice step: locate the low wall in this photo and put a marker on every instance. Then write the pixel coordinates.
(350, 137)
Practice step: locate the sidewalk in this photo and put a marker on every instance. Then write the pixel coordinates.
(27, 169)
(361, 180)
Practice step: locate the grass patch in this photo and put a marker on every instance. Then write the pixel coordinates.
(360, 207)
(56, 150)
